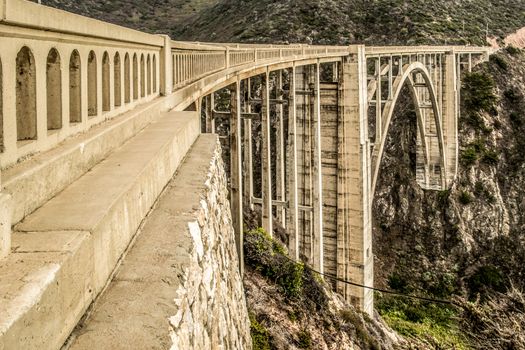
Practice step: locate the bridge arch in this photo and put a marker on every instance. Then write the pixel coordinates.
(409, 77)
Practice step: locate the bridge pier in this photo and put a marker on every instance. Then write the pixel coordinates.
(354, 234)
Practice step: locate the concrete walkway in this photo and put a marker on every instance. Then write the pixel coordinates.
(134, 311)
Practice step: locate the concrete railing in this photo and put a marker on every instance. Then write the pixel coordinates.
(63, 73)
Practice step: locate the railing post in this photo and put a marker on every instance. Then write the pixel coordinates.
(227, 57)
(166, 67)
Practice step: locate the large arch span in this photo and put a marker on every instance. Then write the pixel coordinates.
(416, 76)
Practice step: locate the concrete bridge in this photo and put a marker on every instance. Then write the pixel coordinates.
(96, 119)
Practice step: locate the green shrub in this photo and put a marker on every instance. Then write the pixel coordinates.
(499, 61)
(516, 118)
(490, 157)
(478, 94)
(465, 198)
(486, 278)
(512, 95)
(396, 282)
(422, 320)
(269, 258)
(513, 50)
(260, 336)
(304, 340)
(469, 156)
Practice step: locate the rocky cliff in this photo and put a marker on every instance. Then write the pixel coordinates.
(468, 241)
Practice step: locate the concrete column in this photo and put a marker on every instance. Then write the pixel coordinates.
(209, 113)
(267, 223)
(449, 115)
(212, 107)
(379, 119)
(354, 250)
(248, 148)
(166, 67)
(236, 170)
(317, 234)
(280, 174)
(293, 210)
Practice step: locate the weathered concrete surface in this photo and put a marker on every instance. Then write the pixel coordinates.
(34, 181)
(6, 208)
(179, 285)
(63, 254)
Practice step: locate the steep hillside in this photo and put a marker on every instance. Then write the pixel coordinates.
(154, 16)
(468, 241)
(350, 21)
(315, 21)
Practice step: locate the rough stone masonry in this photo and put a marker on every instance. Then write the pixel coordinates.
(212, 310)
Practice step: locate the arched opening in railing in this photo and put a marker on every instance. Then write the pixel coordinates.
(135, 77)
(148, 67)
(25, 95)
(142, 77)
(106, 104)
(75, 95)
(116, 81)
(127, 79)
(154, 74)
(92, 84)
(54, 90)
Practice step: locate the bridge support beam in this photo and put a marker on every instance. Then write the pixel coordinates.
(450, 109)
(317, 200)
(354, 238)
(236, 170)
(280, 150)
(267, 222)
(293, 209)
(248, 147)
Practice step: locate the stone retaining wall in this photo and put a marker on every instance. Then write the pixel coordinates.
(212, 311)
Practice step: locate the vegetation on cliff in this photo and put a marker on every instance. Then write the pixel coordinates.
(293, 308)
(387, 22)
(468, 243)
